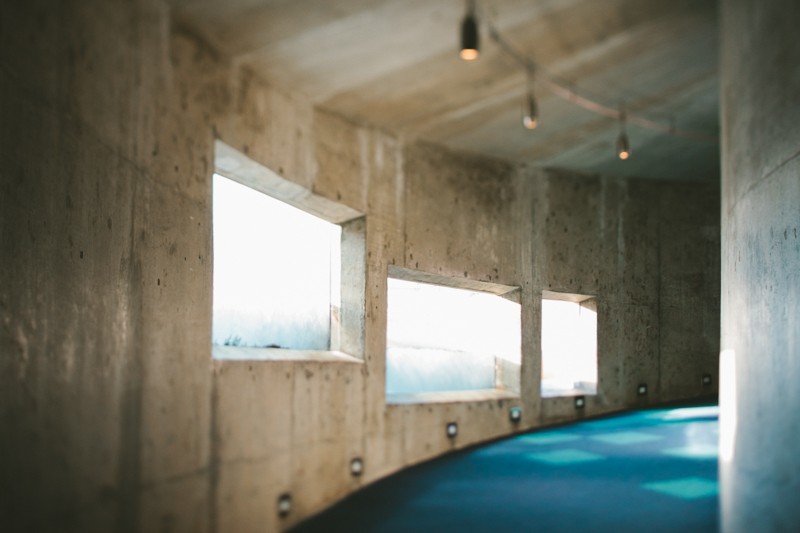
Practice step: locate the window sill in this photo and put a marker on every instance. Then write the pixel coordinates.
(238, 353)
(566, 393)
(451, 397)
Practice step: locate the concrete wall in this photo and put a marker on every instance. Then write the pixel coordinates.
(649, 252)
(113, 416)
(760, 467)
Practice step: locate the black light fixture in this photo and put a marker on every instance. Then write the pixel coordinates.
(356, 467)
(284, 504)
(469, 34)
(623, 144)
(641, 390)
(530, 111)
(580, 402)
(515, 414)
(452, 430)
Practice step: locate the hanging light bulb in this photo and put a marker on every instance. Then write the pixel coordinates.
(469, 34)
(530, 112)
(530, 118)
(623, 144)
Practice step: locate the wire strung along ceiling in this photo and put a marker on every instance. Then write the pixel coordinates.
(470, 50)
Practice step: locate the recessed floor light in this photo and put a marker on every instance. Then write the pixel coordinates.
(284, 504)
(356, 466)
(452, 430)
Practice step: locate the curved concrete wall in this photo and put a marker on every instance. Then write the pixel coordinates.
(760, 465)
(114, 416)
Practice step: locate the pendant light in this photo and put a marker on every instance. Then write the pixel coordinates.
(623, 144)
(530, 111)
(469, 34)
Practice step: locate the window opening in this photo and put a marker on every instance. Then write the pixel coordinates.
(276, 271)
(569, 344)
(444, 338)
(289, 267)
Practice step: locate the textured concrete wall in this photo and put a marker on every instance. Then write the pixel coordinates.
(113, 415)
(649, 251)
(760, 466)
(103, 375)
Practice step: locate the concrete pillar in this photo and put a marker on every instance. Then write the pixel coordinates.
(760, 306)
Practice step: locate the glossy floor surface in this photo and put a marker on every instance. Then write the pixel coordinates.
(653, 471)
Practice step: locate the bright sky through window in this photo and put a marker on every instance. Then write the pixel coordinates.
(447, 339)
(276, 271)
(569, 348)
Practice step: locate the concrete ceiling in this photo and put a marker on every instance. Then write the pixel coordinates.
(394, 64)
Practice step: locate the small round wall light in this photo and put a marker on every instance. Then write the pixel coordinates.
(452, 430)
(515, 414)
(284, 504)
(642, 389)
(706, 380)
(356, 467)
(580, 402)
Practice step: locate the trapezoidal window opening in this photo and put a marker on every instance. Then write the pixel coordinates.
(569, 344)
(276, 272)
(444, 337)
(278, 286)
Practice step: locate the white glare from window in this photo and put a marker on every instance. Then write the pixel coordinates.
(569, 348)
(447, 339)
(276, 271)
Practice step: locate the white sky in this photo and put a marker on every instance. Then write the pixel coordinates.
(447, 339)
(272, 270)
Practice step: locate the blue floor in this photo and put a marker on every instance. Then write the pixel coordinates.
(651, 471)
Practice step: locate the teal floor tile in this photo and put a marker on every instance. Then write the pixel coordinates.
(624, 438)
(688, 488)
(564, 457)
(710, 412)
(697, 451)
(547, 438)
